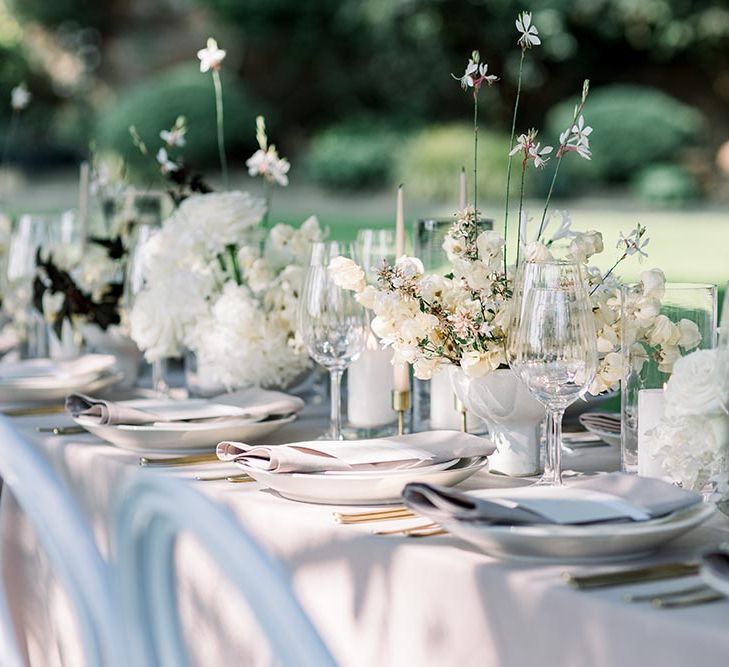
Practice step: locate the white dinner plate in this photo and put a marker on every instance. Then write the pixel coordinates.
(578, 544)
(182, 438)
(10, 393)
(357, 488)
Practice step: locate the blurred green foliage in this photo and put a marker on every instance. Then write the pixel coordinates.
(154, 104)
(634, 127)
(431, 161)
(666, 184)
(354, 155)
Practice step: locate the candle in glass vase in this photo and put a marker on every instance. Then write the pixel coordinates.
(369, 386)
(650, 412)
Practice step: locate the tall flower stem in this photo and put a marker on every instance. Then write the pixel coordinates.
(521, 206)
(508, 167)
(268, 196)
(560, 155)
(607, 275)
(475, 157)
(219, 117)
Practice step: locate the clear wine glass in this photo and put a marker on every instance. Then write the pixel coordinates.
(722, 353)
(332, 325)
(32, 232)
(553, 348)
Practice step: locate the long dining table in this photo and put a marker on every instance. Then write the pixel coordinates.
(375, 599)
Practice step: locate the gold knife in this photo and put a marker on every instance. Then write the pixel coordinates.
(195, 459)
(34, 410)
(631, 576)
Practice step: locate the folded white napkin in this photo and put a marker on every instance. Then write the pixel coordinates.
(252, 403)
(613, 497)
(87, 365)
(393, 453)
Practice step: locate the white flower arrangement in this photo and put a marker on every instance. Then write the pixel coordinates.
(462, 318)
(692, 439)
(213, 289)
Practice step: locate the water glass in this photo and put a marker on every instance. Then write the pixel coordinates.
(553, 348)
(332, 325)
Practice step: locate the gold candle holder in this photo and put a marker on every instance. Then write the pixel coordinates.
(464, 414)
(400, 404)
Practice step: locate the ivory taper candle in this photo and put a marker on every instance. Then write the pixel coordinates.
(401, 374)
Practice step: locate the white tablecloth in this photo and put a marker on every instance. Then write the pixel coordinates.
(375, 600)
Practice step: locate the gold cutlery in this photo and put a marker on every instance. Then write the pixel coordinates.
(631, 575)
(239, 479)
(682, 592)
(423, 530)
(388, 514)
(61, 430)
(223, 478)
(195, 459)
(666, 602)
(34, 410)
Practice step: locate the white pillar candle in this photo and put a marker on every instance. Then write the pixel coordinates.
(369, 387)
(400, 372)
(650, 412)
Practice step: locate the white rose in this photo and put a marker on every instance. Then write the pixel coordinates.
(654, 283)
(454, 246)
(477, 364)
(417, 328)
(489, 244)
(689, 334)
(586, 244)
(411, 268)
(693, 388)
(347, 274)
(478, 277)
(537, 252)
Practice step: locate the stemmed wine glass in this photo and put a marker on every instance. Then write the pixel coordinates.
(332, 325)
(722, 353)
(553, 347)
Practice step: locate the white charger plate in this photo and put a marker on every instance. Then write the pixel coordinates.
(578, 544)
(358, 488)
(181, 438)
(10, 393)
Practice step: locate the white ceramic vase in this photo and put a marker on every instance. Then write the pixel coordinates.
(513, 415)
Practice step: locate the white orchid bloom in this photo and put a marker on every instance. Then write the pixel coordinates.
(467, 78)
(529, 33)
(269, 165)
(20, 97)
(211, 56)
(166, 164)
(175, 136)
(634, 243)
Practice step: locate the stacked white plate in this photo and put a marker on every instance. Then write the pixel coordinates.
(363, 487)
(47, 380)
(576, 543)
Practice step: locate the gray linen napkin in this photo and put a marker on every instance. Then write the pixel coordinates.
(611, 497)
(252, 403)
(391, 453)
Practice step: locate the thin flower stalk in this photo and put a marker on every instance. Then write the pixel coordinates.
(508, 165)
(219, 120)
(561, 153)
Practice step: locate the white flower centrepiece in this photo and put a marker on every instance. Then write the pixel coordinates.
(692, 439)
(210, 288)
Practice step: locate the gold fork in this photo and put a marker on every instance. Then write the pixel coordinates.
(195, 459)
(423, 530)
(387, 514)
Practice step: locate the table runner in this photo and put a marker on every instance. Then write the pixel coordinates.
(375, 600)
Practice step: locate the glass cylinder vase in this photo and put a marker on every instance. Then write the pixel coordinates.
(647, 360)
